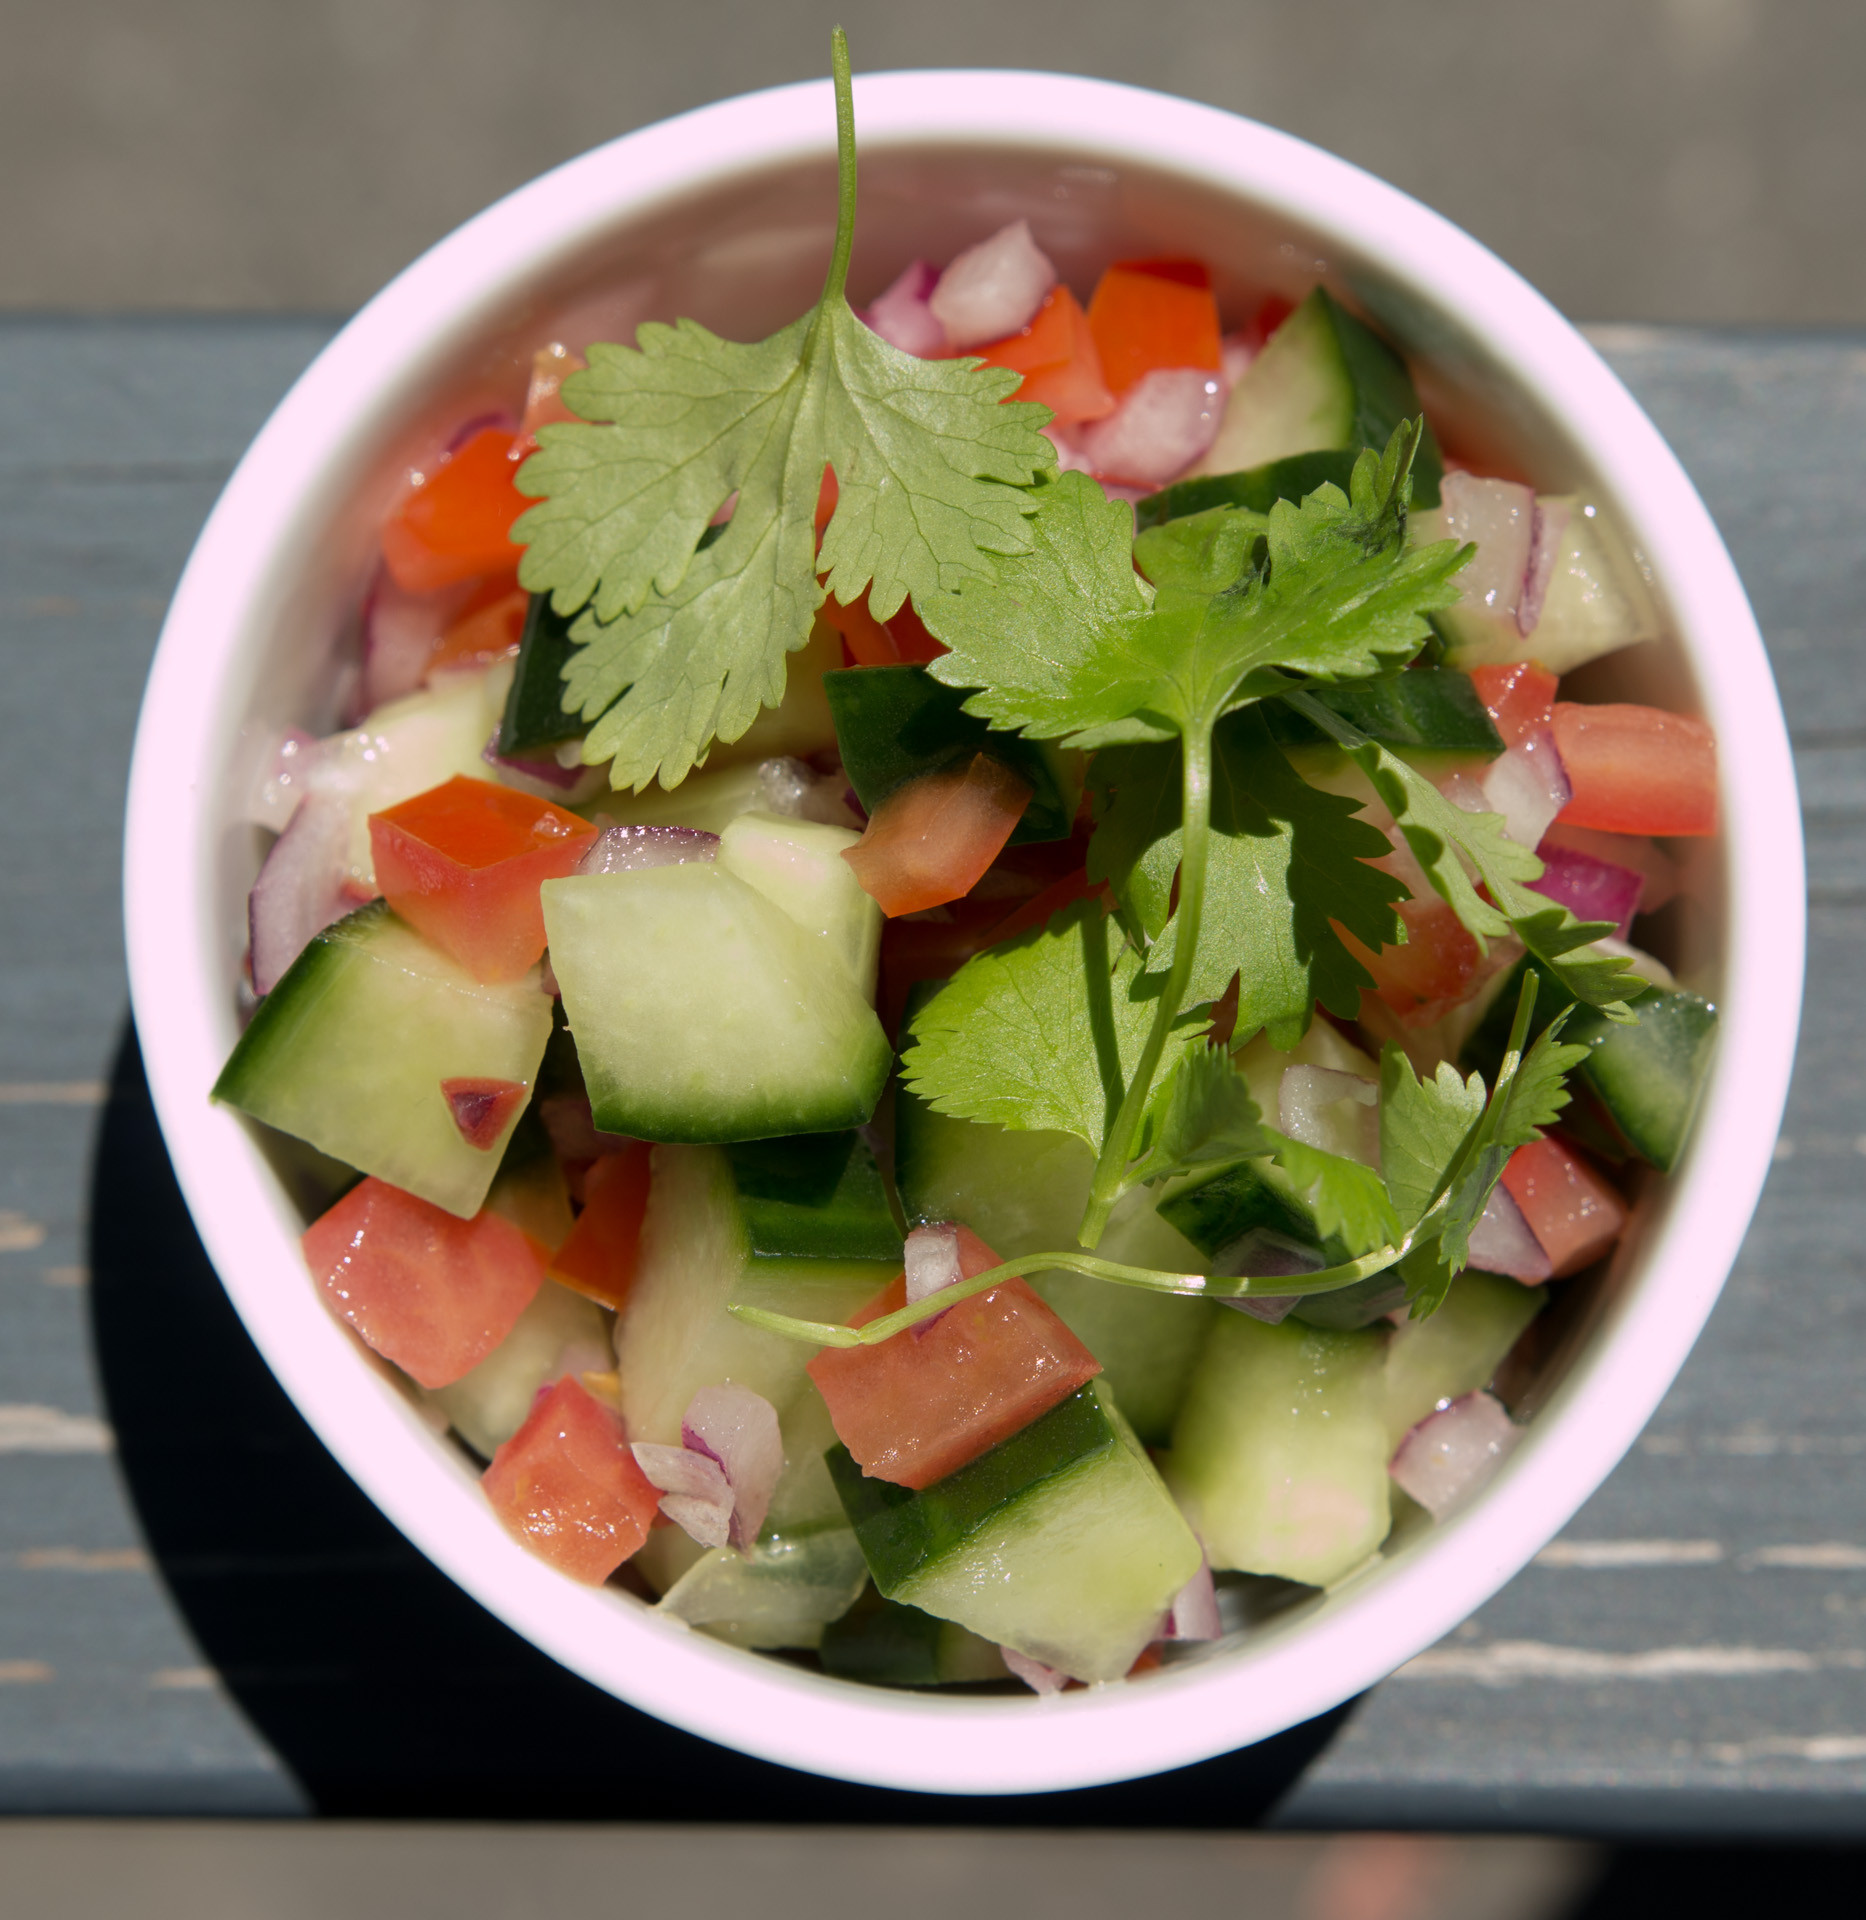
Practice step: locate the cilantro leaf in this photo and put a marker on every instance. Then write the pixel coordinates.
(1423, 1124)
(1528, 1096)
(1350, 1200)
(1059, 644)
(1428, 1280)
(1040, 1034)
(1287, 863)
(682, 643)
(1202, 1115)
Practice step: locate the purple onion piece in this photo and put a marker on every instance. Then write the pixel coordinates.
(547, 773)
(625, 849)
(1502, 1242)
(1033, 1673)
(695, 1493)
(1551, 523)
(1266, 1255)
(901, 315)
(1194, 1612)
(1529, 786)
(301, 887)
(1449, 1455)
(399, 633)
(738, 1430)
(497, 417)
(1590, 889)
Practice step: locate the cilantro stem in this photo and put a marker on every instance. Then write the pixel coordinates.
(845, 168)
(824, 1333)
(1194, 857)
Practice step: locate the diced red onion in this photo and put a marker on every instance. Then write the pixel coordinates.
(1165, 421)
(546, 773)
(1529, 786)
(932, 1256)
(993, 289)
(301, 887)
(796, 790)
(739, 1429)
(1551, 523)
(1304, 1095)
(1635, 851)
(695, 1493)
(902, 317)
(1265, 1254)
(1194, 1612)
(626, 849)
(495, 419)
(1450, 1454)
(1033, 1673)
(1500, 516)
(1236, 351)
(1590, 889)
(1464, 793)
(400, 630)
(284, 779)
(1502, 1242)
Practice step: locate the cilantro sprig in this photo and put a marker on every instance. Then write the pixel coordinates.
(681, 642)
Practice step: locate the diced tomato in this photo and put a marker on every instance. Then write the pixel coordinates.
(1153, 313)
(1637, 769)
(868, 642)
(1439, 965)
(1519, 697)
(908, 631)
(919, 1406)
(482, 1109)
(491, 624)
(457, 524)
(600, 1256)
(1264, 322)
(462, 863)
(1059, 360)
(930, 841)
(566, 1486)
(429, 1291)
(826, 497)
(1570, 1209)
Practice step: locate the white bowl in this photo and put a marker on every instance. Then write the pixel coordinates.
(726, 214)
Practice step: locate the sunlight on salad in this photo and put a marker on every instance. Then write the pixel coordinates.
(980, 995)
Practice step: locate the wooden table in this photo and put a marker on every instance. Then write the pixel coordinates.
(198, 1613)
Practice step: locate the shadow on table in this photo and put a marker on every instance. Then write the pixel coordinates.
(380, 1683)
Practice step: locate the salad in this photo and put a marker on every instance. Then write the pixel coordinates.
(967, 977)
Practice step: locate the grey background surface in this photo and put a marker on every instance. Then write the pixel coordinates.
(1696, 160)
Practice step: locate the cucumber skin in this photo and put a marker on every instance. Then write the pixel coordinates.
(894, 724)
(815, 1196)
(890, 1644)
(1648, 1078)
(535, 722)
(1256, 489)
(284, 1069)
(902, 1531)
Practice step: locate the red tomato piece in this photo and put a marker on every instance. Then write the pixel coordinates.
(826, 497)
(1059, 360)
(1570, 1209)
(919, 1406)
(1439, 965)
(600, 1256)
(931, 840)
(1637, 769)
(462, 863)
(1148, 314)
(428, 1290)
(481, 1108)
(866, 641)
(490, 624)
(1519, 696)
(912, 640)
(567, 1487)
(457, 524)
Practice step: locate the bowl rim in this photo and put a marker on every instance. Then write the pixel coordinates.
(1283, 1674)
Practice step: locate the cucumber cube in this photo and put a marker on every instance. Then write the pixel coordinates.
(1434, 1361)
(798, 866)
(1062, 1541)
(349, 1051)
(889, 1645)
(780, 1594)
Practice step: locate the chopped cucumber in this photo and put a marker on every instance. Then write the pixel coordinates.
(1434, 1361)
(704, 1013)
(891, 1645)
(1324, 380)
(487, 1405)
(817, 1196)
(1025, 1193)
(798, 865)
(1257, 489)
(1280, 1451)
(805, 1497)
(895, 723)
(707, 801)
(801, 723)
(534, 722)
(1647, 1079)
(698, 1257)
(1425, 709)
(1597, 599)
(349, 1050)
(782, 1593)
(1062, 1541)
